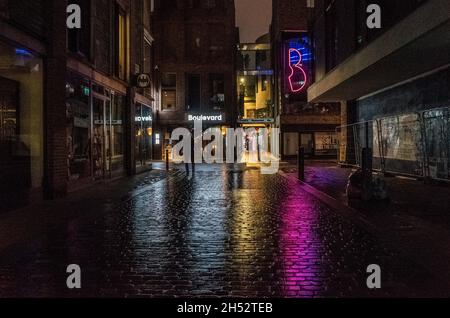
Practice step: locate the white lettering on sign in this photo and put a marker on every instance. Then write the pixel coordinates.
(143, 118)
(205, 118)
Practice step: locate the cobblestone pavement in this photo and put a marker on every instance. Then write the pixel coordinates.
(222, 231)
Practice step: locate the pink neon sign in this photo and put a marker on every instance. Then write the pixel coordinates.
(296, 70)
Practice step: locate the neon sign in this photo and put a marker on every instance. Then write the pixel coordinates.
(298, 78)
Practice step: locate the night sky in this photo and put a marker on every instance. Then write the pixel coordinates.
(253, 17)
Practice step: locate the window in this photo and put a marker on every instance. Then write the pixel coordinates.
(252, 60)
(194, 42)
(79, 40)
(217, 91)
(21, 113)
(210, 4)
(255, 96)
(144, 134)
(121, 43)
(78, 122)
(193, 95)
(326, 143)
(194, 4)
(169, 91)
(310, 3)
(148, 56)
(264, 83)
(168, 5)
(332, 31)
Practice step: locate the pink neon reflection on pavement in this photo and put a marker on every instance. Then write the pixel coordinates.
(300, 246)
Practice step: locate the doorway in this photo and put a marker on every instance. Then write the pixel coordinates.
(108, 138)
(290, 144)
(100, 138)
(307, 142)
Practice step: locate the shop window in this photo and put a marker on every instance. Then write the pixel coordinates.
(118, 137)
(144, 134)
(108, 140)
(169, 91)
(326, 143)
(21, 125)
(78, 126)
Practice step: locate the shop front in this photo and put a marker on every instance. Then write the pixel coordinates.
(108, 111)
(144, 136)
(21, 125)
(95, 131)
(315, 144)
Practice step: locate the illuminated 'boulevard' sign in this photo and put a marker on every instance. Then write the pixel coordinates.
(206, 118)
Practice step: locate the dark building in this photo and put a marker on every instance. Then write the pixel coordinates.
(393, 83)
(70, 114)
(195, 56)
(304, 124)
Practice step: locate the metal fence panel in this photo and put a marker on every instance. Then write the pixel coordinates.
(415, 144)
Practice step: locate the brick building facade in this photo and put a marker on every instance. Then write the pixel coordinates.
(303, 124)
(71, 115)
(195, 54)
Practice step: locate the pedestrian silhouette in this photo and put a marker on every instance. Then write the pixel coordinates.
(192, 154)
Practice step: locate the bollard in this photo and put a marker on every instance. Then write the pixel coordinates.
(301, 163)
(167, 159)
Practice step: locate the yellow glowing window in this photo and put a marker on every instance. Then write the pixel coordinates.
(121, 45)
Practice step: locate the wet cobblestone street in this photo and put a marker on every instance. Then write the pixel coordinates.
(222, 231)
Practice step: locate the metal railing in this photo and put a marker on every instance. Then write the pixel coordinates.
(416, 144)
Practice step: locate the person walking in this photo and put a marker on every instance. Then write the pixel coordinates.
(191, 155)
